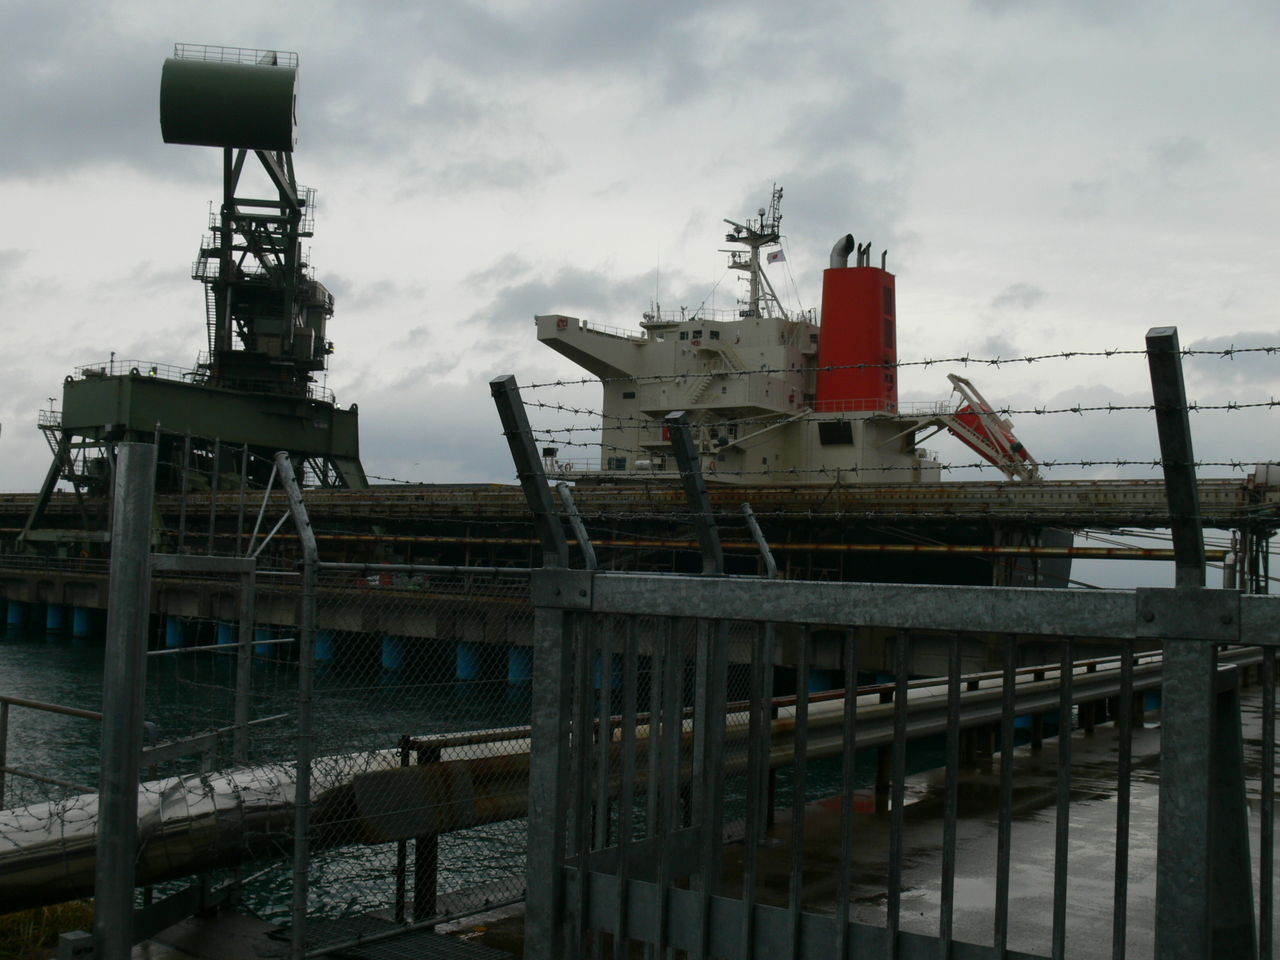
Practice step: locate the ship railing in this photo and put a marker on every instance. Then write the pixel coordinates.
(247, 55)
(667, 317)
(172, 372)
(137, 368)
(608, 331)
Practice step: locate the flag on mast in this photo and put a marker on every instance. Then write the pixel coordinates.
(775, 257)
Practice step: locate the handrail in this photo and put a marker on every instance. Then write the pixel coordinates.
(7, 771)
(51, 707)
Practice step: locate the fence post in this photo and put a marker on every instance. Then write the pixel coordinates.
(306, 678)
(1199, 877)
(515, 427)
(695, 491)
(770, 566)
(554, 590)
(579, 528)
(123, 688)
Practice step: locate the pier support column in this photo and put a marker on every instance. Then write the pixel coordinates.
(325, 648)
(55, 618)
(261, 648)
(823, 680)
(467, 661)
(392, 653)
(16, 615)
(519, 665)
(175, 632)
(82, 622)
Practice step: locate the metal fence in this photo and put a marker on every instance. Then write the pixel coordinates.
(1009, 848)
(661, 765)
(418, 738)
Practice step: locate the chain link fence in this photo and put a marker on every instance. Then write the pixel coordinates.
(419, 739)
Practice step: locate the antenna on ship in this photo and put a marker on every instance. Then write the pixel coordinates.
(762, 231)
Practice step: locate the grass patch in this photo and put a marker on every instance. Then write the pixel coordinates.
(31, 934)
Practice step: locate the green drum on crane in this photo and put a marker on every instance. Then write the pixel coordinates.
(218, 104)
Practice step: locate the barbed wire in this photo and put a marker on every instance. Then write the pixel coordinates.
(1077, 409)
(965, 360)
(1153, 463)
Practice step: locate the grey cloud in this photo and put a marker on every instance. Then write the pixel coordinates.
(1253, 371)
(1099, 13)
(1021, 296)
(996, 345)
(352, 296)
(9, 260)
(868, 109)
(463, 445)
(501, 173)
(589, 294)
(79, 91)
(1179, 152)
(821, 205)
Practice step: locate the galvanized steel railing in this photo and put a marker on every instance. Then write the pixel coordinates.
(628, 819)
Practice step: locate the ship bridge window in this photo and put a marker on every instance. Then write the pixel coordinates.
(835, 433)
(697, 334)
(628, 394)
(715, 334)
(684, 334)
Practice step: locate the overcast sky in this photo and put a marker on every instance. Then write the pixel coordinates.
(1046, 175)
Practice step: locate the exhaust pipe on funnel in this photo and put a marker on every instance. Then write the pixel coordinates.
(840, 252)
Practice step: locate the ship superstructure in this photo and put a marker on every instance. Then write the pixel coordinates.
(774, 396)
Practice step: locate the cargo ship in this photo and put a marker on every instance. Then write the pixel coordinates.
(774, 396)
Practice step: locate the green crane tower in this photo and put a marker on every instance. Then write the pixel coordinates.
(254, 391)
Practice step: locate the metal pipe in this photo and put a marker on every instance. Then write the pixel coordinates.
(840, 252)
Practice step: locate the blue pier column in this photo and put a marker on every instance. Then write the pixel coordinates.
(82, 622)
(227, 633)
(55, 618)
(822, 680)
(467, 660)
(261, 648)
(392, 653)
(325, 649)
(175, 632)
(615, 672)
(519, 664)
(16, 615)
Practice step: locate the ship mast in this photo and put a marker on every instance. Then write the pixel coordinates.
(763, 231)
